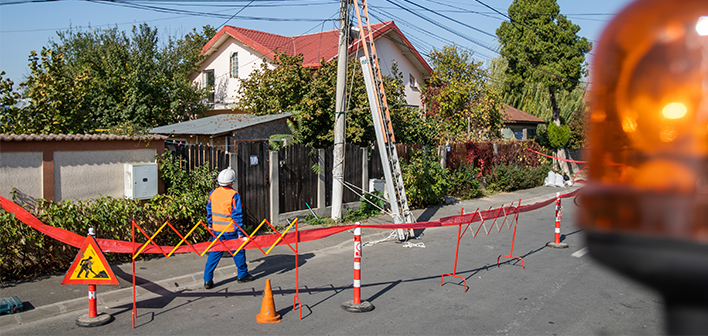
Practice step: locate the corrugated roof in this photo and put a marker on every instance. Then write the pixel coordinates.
(218, 124)
(78, 137)
(519, 117)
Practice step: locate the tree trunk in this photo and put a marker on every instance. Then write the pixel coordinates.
(554, 106)
(560, 152)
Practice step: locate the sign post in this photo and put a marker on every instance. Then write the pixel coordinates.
(91, 268)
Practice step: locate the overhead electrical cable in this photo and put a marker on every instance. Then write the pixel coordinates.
(479, 43)
(515, 22)
(232, 16)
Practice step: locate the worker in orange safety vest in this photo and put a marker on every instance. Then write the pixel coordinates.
(224, 211)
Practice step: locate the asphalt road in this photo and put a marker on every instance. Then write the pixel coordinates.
(560, 291)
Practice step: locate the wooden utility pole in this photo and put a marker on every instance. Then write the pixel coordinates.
(339, 113)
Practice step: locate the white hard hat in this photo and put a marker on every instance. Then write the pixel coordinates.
(226, 177)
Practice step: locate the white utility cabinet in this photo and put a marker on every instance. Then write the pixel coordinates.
(140, 180)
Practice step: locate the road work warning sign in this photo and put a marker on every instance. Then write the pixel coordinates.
(90, 267)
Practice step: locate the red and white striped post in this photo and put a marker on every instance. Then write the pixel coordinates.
(92, 301)
(356, 305)
(93, 319)
(559, 214)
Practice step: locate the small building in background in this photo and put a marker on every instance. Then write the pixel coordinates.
(60, 167)
(223, 130)
(518, 124)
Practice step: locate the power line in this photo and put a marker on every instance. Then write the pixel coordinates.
(375, 10)
(232, 16)
(476, 42)
(513, 21)
(444, 27)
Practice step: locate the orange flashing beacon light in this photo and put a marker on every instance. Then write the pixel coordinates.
(645, 209)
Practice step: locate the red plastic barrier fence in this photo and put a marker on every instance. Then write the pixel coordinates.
(119, 246)
(461, 233)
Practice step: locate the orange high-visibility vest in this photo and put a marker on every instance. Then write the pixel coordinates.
(222, 204)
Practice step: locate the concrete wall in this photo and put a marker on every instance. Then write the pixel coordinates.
(89, 174)
(23, 171)
(61, 167)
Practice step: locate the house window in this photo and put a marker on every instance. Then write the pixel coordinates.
(234, 65)
(412, 81)
(209, 85)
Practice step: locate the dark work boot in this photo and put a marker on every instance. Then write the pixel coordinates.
(208, 284)
(247, 278)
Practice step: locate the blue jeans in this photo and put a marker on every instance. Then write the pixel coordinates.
(214, 258)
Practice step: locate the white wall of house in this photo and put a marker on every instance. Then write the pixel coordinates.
(226, 86)
(23, 171)
(388, 52)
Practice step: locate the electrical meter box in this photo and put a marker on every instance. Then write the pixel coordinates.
(140, 180)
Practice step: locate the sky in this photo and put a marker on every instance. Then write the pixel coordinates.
(27, 25)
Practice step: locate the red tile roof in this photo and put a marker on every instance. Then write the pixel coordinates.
(516, 116)
(313, 47)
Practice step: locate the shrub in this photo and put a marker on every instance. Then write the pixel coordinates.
(558, 136)
(510, 178)
(424, 179)
(463, 182)
(370, 205)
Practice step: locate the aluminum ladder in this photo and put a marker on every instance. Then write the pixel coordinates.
(382, 124)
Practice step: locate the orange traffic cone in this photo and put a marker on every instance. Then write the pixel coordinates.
(268, 314)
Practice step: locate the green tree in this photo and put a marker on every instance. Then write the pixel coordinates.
(11, 120)
(459, 99)
(90, 81)
(534, 99)
(58, 97)
(275, 87)
(541, 45)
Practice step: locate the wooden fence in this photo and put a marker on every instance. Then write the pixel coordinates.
(297, 178)
(193, 156)
(299, 172)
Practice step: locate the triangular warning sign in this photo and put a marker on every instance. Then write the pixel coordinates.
(90, 267)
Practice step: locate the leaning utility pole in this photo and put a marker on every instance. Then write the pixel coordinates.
(339, 113)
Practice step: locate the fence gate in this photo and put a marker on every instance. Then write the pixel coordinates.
(298, 182)
(253, 181)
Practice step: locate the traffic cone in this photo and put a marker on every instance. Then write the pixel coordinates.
(268, 314)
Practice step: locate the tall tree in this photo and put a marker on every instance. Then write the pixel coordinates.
(90, 81)
(459, 96)
(543, 46)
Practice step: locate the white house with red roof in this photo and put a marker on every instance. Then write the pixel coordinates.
(235, 52)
